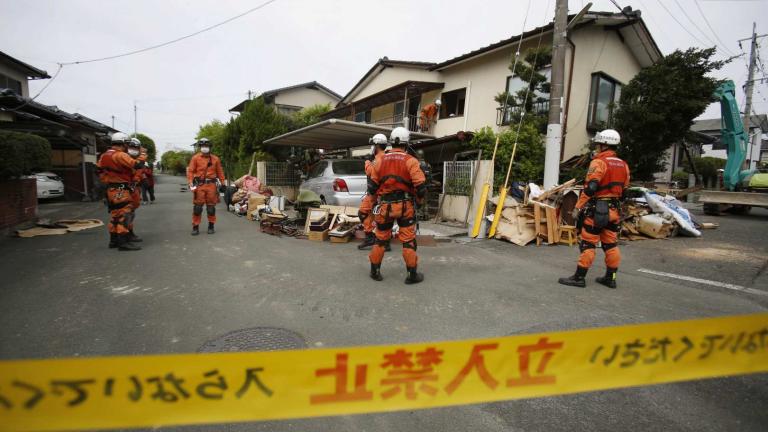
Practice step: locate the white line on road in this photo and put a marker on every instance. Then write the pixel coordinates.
(705, 282)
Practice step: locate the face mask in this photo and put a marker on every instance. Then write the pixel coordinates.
(133, 152)
(205, 150)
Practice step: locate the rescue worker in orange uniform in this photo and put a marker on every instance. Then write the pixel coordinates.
(365, 213)
(116, 169)
(139, 154)
(429, 115)
(399, 183)
(205, 175)
(599, 210)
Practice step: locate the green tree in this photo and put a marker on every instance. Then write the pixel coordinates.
(258, 123)
(23, 154)
(149, 144)
(658, 106)
(176, 162)
(529, 156)
(535, 83)
(214, 131)
(309, 115)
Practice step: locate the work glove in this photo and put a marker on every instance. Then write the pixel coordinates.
(576, 213)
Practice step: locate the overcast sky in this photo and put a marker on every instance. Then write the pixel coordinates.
(181, 86)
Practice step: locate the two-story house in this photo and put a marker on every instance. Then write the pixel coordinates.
(605, 51)
(288, 100)
(74, 138)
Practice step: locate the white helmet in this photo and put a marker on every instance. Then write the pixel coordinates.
(399, 136)
(437, 102)
(608, 137)
(134, 142)
(119, 138)
(379, 140)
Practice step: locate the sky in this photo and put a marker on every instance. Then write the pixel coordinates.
(178, 87)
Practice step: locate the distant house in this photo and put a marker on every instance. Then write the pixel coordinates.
(288, 100)
(74, 137)
(758, 128)
(604, 52)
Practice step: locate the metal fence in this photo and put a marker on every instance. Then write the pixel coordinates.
(281, 174)
(457, 177)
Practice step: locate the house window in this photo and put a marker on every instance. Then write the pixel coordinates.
(453, 103)
(603, 100)
(398, 113)
(363, 117)
(7, 82)
(539, 99)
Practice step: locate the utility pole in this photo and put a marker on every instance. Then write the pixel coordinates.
(554, 125)
(135, 119)
(113, 122)
(748, 92)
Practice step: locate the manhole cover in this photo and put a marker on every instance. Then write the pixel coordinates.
(255, 339)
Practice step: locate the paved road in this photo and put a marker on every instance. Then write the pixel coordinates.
(71, 296)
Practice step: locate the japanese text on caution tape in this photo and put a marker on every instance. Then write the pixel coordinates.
(136, 391)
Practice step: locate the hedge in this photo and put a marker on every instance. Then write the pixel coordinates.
(23, 154)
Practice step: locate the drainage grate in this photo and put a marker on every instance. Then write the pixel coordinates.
(255, 339)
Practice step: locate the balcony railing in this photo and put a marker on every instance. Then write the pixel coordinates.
(506, 114)
(397, 120)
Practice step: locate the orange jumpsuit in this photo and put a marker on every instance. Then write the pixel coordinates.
(428, 116)
(116, 170)
(395, 179)
(205, 169)
(365, 213)
(612, 177)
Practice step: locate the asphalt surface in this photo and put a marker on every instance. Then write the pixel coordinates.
(69, 295)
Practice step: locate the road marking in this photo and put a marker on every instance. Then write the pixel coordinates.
(705, 282)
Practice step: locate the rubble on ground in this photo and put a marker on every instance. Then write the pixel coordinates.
(546, 215)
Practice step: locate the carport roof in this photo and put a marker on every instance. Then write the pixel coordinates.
(335, 134)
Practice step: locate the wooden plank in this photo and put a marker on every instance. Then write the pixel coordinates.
(552, 226)
(537, 222)
(551, 191)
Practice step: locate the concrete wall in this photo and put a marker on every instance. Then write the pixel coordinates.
(597, 50)
(392, 76)
(18, 76)
(18, 202)
(455, 206)
(304, 97)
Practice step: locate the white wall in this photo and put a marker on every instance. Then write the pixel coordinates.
(304, 97)
(18, 76)
(392, 76)
(597, 50)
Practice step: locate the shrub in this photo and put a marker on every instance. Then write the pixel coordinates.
(23, 154)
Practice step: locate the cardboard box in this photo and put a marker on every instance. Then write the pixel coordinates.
(344, 239)
(318, 235)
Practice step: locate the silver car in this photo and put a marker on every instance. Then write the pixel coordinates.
(339, 182)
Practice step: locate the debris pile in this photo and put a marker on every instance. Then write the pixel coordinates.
(648, 214)
(546, 216)
(539, 215)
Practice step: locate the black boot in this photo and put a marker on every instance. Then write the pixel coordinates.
(124, 244)
(210, 228)
(577, 279)
(133, 238)
(414, 277)
(609, 279)
(113, 240)
(376, 272)
(195, 230)
(369, 240)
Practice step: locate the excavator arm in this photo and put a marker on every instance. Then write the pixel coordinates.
(732, 134)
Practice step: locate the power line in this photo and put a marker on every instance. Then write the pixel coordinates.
(174, 40)
(706, 20)
(696, 26)
(681, 24)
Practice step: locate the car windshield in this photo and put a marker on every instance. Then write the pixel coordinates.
(349, 167)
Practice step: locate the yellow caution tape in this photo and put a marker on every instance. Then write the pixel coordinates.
(136, 391)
